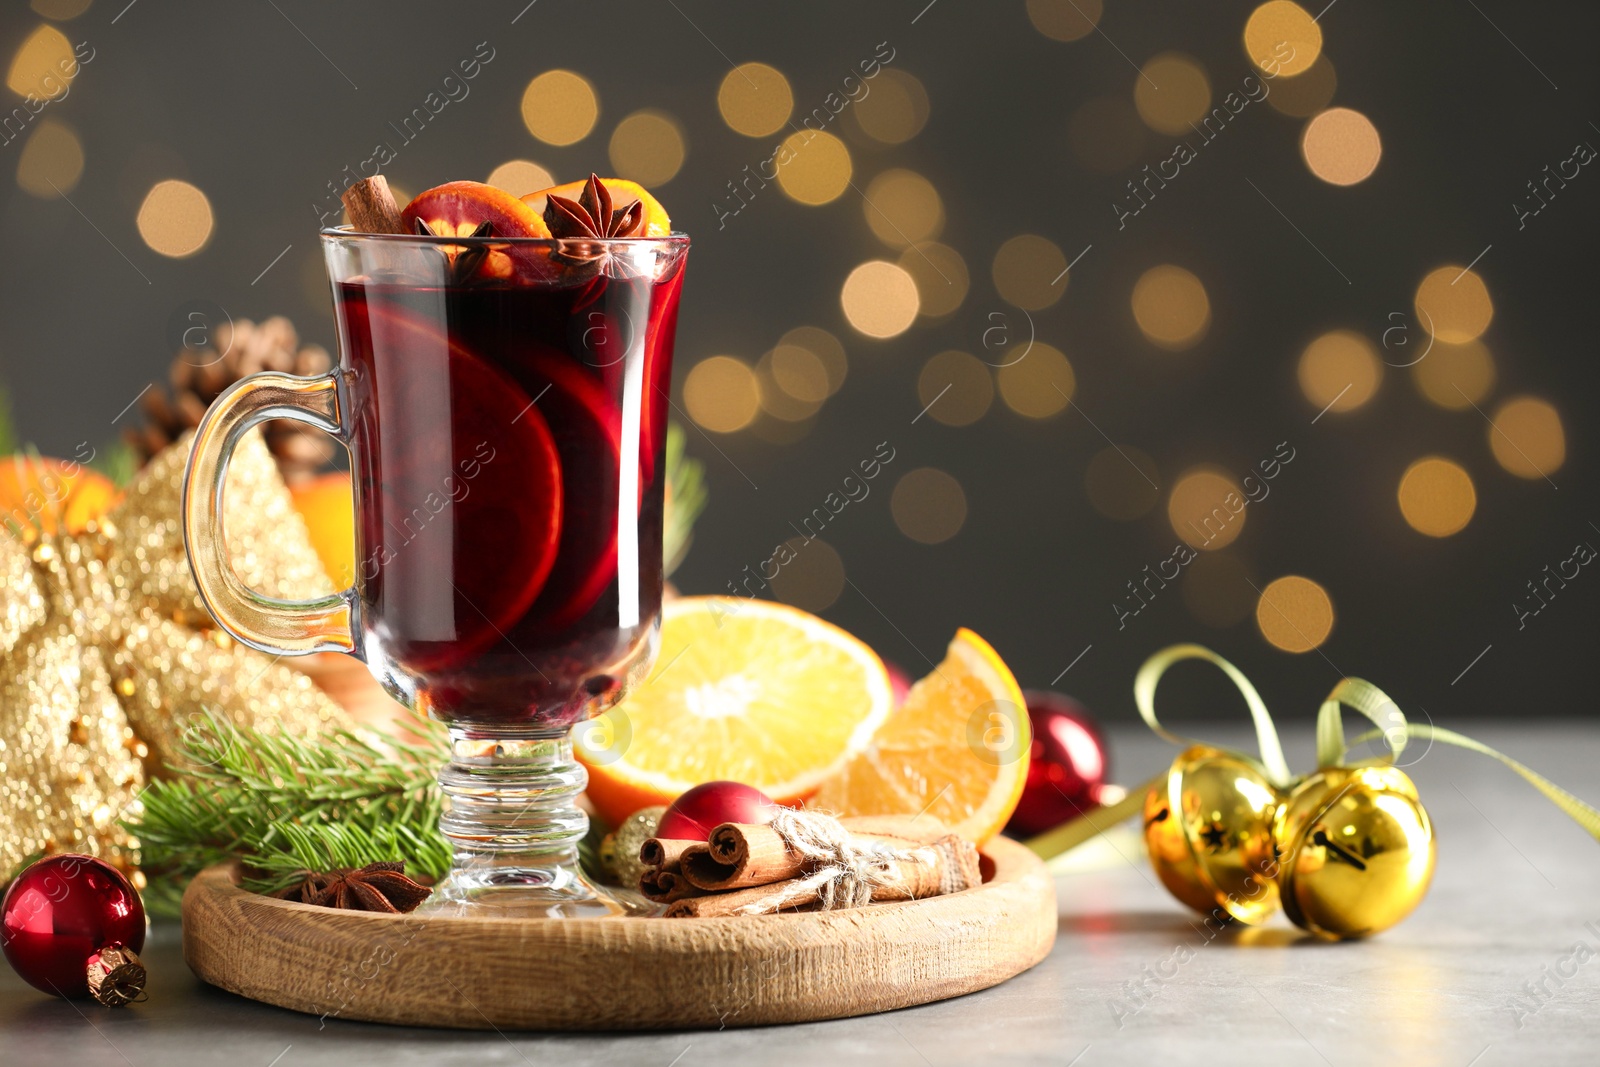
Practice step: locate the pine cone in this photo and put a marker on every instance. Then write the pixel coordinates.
(237, 349)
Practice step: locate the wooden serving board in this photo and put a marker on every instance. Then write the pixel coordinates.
(621, 973)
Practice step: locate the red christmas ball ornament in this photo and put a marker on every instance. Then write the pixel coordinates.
(1067, 765)
(702, 809)
(72, 925)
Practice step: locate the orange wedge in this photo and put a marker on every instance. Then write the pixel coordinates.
(743, 690)
(623, 193)
(956, 750)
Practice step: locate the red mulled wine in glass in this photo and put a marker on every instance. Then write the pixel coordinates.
(504, 403)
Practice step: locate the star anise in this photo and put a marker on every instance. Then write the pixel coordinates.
(376, 887)
(590, 217)
(464, 262)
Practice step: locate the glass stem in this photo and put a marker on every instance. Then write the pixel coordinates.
(510, 801)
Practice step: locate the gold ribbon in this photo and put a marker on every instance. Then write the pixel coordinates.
(1358, 694)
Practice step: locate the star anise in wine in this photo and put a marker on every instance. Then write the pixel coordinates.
(376, 887)
(590, 217)
(464, 262)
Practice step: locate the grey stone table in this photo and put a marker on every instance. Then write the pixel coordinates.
(1501, 965)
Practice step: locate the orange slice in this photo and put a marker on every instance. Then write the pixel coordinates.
(623, 194)
(743, 690)
(956, 751)
(459, 209)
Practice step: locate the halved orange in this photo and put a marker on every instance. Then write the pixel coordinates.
(743, 690)
(623, 193)
(955, 751)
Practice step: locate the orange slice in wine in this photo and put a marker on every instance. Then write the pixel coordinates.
(463, 527)
(587, 429)
(473, 209)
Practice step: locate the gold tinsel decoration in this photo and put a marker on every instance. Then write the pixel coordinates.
(107, 653)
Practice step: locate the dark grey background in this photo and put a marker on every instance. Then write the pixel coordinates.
(235, 99)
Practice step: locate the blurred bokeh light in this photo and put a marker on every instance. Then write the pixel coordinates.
(1171, 92)
(647, 147)
(1039, 384)
(1030, 272)
(928, 505)
(895, 108)
(1455, 376)
(956, 388)
(826, 347)
(755, 100)
(1340, 371)
(1453, 304)
(41, 64)
(1171, 307)
(880, 299)
(1527, 438)
(1437, 497)
(813, 579)
(1064, 20)
(816, 169)
(60, 9)
(903, 208)
(175, 219)
(520, 177)
(779, 396)
(940, 274)
(560, 107)
(721, 394)
(1341, 146)
(51, 161)
(1207, 508)
(1282, 39)
(1295, 614)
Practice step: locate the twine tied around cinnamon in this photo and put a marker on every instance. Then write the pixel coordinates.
(847, 867)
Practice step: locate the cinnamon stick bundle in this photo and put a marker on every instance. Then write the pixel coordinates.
(945, 865)
(663, 880)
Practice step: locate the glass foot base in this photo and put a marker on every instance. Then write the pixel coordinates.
(517, 891)
(510, 812)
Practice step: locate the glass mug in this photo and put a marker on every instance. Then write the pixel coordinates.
(504, 405)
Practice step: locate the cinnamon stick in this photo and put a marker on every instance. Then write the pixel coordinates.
(371, 207)
(738, 855)
(665, 887)
(664, 852)
(948, 864)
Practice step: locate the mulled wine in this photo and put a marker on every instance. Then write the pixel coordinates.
(502, 390)
(507, 449)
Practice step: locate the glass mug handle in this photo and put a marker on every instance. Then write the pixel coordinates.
(282, 627)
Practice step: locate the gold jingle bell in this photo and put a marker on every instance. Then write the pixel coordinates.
(1209, 829)
(1357, 851)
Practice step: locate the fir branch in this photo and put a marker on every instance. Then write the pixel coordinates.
(284, 806)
